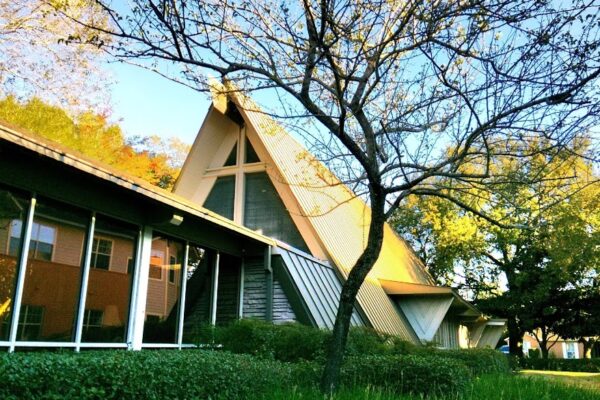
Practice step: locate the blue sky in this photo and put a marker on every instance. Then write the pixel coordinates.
(144, 103)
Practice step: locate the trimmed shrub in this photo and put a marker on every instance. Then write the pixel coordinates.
(294, 342)
(403, 347)
(287, 342)
(164, 374)
(362, 340)
(479, 361)
(559, 364)
(431, 375)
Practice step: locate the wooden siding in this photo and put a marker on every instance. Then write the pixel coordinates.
(255, 294)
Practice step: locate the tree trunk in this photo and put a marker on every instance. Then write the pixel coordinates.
(515, 337)
(588, 344)
(544, 349)
(357, 275)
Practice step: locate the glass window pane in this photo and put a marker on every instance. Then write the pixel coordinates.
(264, 210)
(101, 253)
(46, 234)
(197, 296)
(162, 303)
(251, 156)
(52, 282)
(220, 199)
(232, 158)
(43, 251)
(13, 211)
(109, 284)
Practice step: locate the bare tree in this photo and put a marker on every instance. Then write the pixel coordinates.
(45, 55)
(410, 90)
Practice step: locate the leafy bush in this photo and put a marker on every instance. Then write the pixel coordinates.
(288, 342)
(558, 364)
(164, 374)
(429, 375)
(403, 347)
(479, 361)
(534, 353)
(295, 342)
(362, 340)
(173, 374)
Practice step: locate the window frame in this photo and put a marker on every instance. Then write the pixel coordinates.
(160, 267)
(94, 253)
(87, 316)
(33, 240)
(23, 323)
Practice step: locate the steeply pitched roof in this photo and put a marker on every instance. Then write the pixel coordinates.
(339, 218)
(63, 154)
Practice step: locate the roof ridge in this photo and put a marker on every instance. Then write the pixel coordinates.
(63, 153)
(247, 104)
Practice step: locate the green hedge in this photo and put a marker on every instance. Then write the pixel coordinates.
(296, 342)
(292, 342)
(559, 364)
(431, 375)
(288, 342)
(164, 374)
(479, 361)
(171, 374)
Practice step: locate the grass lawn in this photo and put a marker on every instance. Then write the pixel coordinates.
(524, 386)
(585, 380)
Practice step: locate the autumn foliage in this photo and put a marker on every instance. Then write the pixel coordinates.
(149, 158)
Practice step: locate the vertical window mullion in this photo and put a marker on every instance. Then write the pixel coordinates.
(182, 294)
(134, 287)
(84, 281)
(14, 326)
(214, 290)
(241, 293)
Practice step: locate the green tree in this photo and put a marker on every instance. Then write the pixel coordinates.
(580, 317)
(557, 246)
(394, 84)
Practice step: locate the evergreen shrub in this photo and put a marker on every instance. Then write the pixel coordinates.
(161, 374)
(559, 364)
(431, 375)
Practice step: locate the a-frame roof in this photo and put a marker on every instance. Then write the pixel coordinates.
(338, 218)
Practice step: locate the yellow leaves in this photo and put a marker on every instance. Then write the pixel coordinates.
(93, 136)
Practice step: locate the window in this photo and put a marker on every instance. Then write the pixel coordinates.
(130, 265)
(30, 322)
(163, 297)
(172, 263)
(101, 251)
(41, 244)
(13, 208)
(570, 350)
(106, 313)
(220, 199)
(92, 319)
(156, 263)
(264, 210)
(232, 158)
(251, 156)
